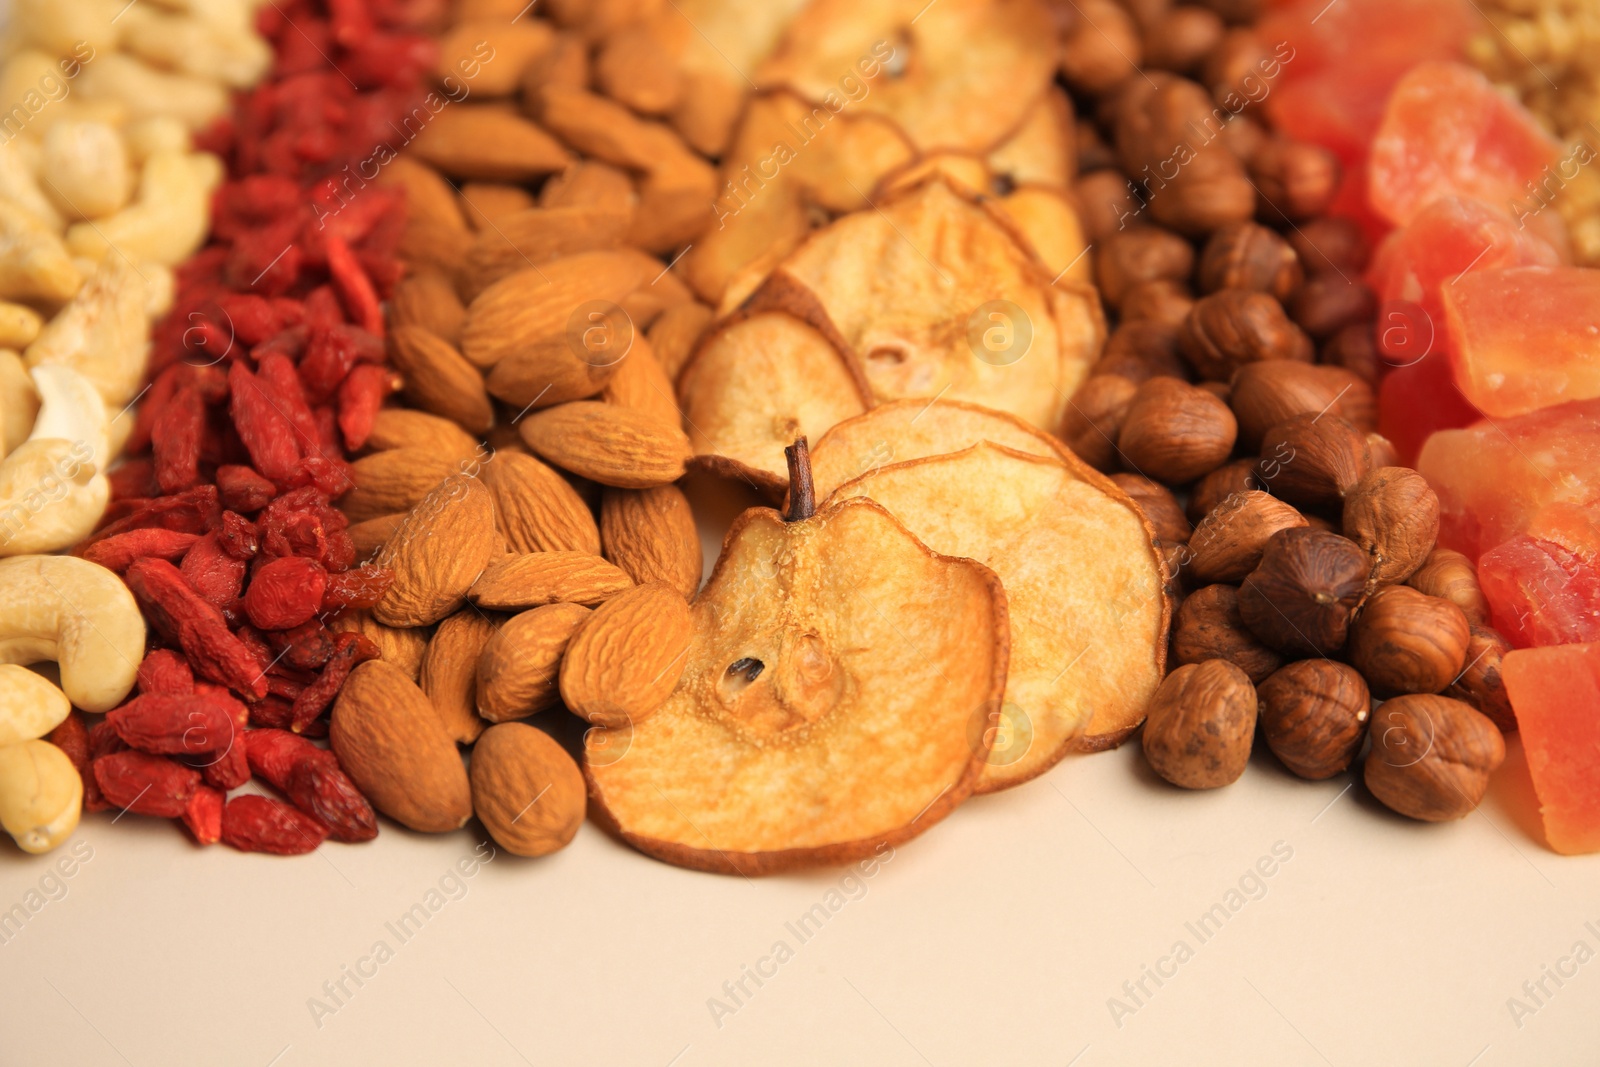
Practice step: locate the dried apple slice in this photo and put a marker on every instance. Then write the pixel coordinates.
(828, 703)
(1084, 591)
(962, 73)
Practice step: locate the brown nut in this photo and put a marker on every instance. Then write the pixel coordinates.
(1329, 302)
(1449, 574)
(1394, 515)
(1160, 300)
(1201, 722)
(1431, 757)
(1480, 683)
(1159, 506)
(1354, 348)
(1174, 432)
(1382, 451)
(1234, 67)
(1247, 255)
(1314, 714)
(1297, 180)
(1142, 350)
(1312, 461)
(1207, 626)
(1141, 254)
(1233, 327)
(1409, 642)
(1094, 419)
(527, 791)
(1301, 597)
(1265, 394)
(1101, 47)
(1228, 543)
(1106, 202)
(1182, 37)
(1332, 243)
(1238, 476)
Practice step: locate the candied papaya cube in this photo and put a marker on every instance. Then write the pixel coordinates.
(1541, 592)
(1418, 399)
(1556, 694)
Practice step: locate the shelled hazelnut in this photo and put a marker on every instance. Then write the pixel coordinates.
(1314, 715)
(1267, 393)
(1233, 327)
(1104, 198)
(1431, 757)
(1394, 515)
(1247, 255)
(1159, 506)
(1141, 350)
(1159, 300)
(1200, 725)
(1448, 574)
(1228, 543)
(1382, 451)
(1327, 303)
(1182, 37)
(1295, 178)
(1237, 476)
(1312, 461)
(1207, 626)
(1331, 243)
(1175, 432)
(1355, 349)
(1301, 597)
(1141, 254)
(1480, 683)
(1094, 419)
(1408, 642)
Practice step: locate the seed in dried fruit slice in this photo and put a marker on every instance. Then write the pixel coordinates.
(828, 703)
(1083, 589)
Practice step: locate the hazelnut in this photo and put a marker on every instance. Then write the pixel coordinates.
(1301, 596)
(1207, 626)
(1297, 180)
(1246, 255)
(1174, 432)
(1479, 682)
(1159, 506)
(1449, 574)
(1140, 254)
(1409, 642)
(1228, 329)
(1091, 150)
(1431, 757)
(1327, 303)
(1101, 47)
(1314, 715)
(1354, 348)
(1236, 12)
(1239, 476)
(1313, 460)
(1394, 515)
(1181, 38)
(1105, 200)
(1140, 351)
(1234, 66)
(1382, 451)
(1221, 390)
(1211, 190)
(1094, 418)
(1244, 136)
(1147, 13)
(1265, 394)
(1317, 522)
(1228, 543)
(1157, 300)
(1200, 725)
(1332, 243)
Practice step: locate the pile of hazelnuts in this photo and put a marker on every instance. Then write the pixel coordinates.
(1302, 559)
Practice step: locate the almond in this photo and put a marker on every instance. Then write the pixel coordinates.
(437, 553)
(489, 143)
(539, 235)
(538, 304)
(676, 203)
(538, 510)
(613, 446)
(450, 672)
(408, 428)
(487, 205)
(519, 670)
(642, 385)
(590, 184)
(401, 648)
(428, 299)
(371, 535)
(674, 334)
(557, 370)
(526, 581)
(527, 790)
(429, 198)
(439, 380)
(567, 64)
(636, 69)
(625, 659)
(437, 247)
(651, 535)
(490, 53)
(390, 742)
(607, 131)
(393, 481)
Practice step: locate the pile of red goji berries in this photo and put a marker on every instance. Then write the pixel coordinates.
(267, 373)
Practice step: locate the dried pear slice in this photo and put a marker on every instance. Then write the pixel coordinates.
(962, 73)
(1043, 150)
(1049, 221)
(829, 703)
(1084, 591)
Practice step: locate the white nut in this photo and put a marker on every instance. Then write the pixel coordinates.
(86, 169)
(159, 133)
(19, 325)
(57, 26)
(41, 795)
(160, 288)
(30, 706)
(19, 402)
(102, 334)
(78, 614)
(70, 408)
(166, 223)
(18, 185)
(228, 53)
(34, 264)
(53, 491)
(195, 102)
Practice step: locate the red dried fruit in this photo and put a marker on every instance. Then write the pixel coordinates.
(238, 536)
(132, 479)
(308, 646)
(274, 753)
(145, 784)
(72, 737)
(203, 815)
(350, 650)
(164, 671)
(175, 439)
(119, 551)
(261, 824)
(226, 770)
(355, 288)
(360, 587)
(196, 626)
(360, 397)
(285, 592)
(325, 792)
(103, 741)
(242, 489)
(272, 713)
(214, 574)
(192, 511)
(174, 724)
(266, 430)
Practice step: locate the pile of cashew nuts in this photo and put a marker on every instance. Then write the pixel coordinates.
(102, 194)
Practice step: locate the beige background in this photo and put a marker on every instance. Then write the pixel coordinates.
(998, 938)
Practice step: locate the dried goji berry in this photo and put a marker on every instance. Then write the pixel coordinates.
(267, 431)
(134, 478)
(175, 440)
(261, 824)
(196, 626)
(119, 551)
(174, 724)
(165, 671)
(103, 741)
(271, 713)
(360, 396)
(290, 341)
(355, 288)
(192, 511)
(145, 784)
(242, 489)
(214, 574)
(350, 650)
(308, 646)
(71, 736)
(361, 587)
(239, 537)
(274, 753)
(203, 814)
(225, 770)
(285, 592)
(324, 791)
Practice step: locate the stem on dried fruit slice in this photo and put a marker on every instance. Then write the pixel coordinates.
(802, 494)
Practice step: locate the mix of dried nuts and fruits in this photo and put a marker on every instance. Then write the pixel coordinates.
(357, 351)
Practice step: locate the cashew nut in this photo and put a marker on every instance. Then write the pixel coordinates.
(195, 102)
(19, 325)
(78, 614)
(34, 265)
(159, 133)
(56, 26)
(102, 334)
(19, 402)
(85, 168)
(41, 795)
(52, 488)
(227, 52)
(30, 706)
(18, 185)
(168, 220)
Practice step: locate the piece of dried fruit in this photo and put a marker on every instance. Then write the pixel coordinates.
(526, 789)
(261, 824)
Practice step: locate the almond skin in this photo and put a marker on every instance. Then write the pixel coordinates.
(518, 672)
(490, 144)
(527, 790)
(538, 510)
(650, 534)
(535, 305)
(428, 299)
(642, 385)
(372, 535)
(390, 742)
(527, 581)
(393, 481)
(625, 659)
(409, 428)
(440, 380)
(437, 554)
(539, 235)
(450, 671)
(614, 446)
